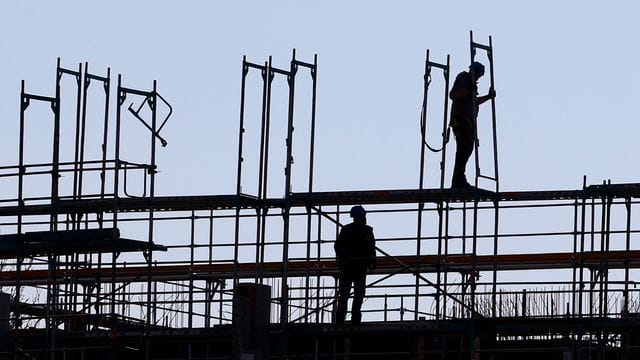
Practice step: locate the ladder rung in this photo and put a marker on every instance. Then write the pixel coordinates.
(487, 177)
(484, 47)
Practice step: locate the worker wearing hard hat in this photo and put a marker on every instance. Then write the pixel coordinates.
(464, 112)
(356, 253)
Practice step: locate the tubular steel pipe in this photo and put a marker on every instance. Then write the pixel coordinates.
(581, 284)
(284, 296)
(55, 175)
(151, 314)
(489, 51)
(574, 301)
(79, 103)
(626, 260)
(310, 180)
(445, 120)
(446, 253)
(263, 162)
(601, 268)
(474, 251)
(494, 288)
(268, 77)
(192, 239)
(423, 135)
(605, 275)
(592, 247)
(264, 128)
(472, 49)
(121, 97)
(241, 130)
(24, 103)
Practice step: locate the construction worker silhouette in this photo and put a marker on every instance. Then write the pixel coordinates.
(464, 113)
(356, 253)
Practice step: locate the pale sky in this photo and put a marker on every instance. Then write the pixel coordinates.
(565, 76)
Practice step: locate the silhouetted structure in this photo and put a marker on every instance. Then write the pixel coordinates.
(356, 253)
(82, 286)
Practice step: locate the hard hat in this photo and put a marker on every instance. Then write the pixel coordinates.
(477, 68)
(357, 211)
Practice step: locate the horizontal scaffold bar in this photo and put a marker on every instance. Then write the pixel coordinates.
(410, 196)
(329, 267)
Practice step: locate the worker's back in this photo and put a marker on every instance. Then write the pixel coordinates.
(355, 246)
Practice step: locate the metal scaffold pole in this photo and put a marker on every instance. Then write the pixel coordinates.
(81, 262)
(488, 49)
(424, 146)
(308, 298)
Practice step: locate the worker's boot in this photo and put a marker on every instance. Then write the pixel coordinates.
(459, 182)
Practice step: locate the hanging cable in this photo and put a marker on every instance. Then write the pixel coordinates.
(423, 121)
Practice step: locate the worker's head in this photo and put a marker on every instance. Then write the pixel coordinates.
(359, 214)
(476, 69)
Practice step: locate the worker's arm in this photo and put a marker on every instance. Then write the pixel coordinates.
(372, 251)
(338, 246)
(490, 95)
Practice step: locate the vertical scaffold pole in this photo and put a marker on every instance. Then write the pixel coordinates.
(583, 215)
(423, 147)
(268, 76)
(592, 279)
(192, 250)
(291, 82)
(607, 239)
(51, 289)
(106, 86)
(52, 286)
(313, 70)
(627, 247)
(241, 130)
(121, 97)
(284, 299)
(445, 121)
(151, 305)
(263, 166)
(446, 253)
(79, 119)
(24, 103)
(489, 51)
(71, 289)
(423, 135)
(601, 267)
(442, 205)
(55, 172)
(474, 274)
(574, 302)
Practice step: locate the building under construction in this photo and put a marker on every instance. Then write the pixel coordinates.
(98, 265)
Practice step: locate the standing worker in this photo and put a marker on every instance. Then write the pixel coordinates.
(464, 114)
(356, 252)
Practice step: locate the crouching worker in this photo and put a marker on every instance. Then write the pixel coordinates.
(356, 253)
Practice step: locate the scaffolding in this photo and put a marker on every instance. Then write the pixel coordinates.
(102, 266)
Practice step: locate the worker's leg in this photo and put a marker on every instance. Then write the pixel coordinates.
(464, 148)
(359, 287)
(343, 295)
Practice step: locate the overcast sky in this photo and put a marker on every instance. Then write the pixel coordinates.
(565, 74)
